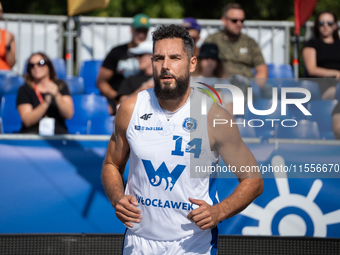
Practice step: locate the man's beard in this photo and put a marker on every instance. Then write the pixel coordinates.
(167, 93)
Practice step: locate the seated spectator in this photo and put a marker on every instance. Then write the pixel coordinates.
(194, 30)
(336, 121)
(210, 69)
(120, 64)
(137, 83)
(7, 48)
(43, 102)
(209, 64)
(321, 54)
(240, 53)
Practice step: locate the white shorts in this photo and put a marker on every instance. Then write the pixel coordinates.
(194, 244)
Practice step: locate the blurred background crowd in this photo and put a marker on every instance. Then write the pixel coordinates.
(43, 99)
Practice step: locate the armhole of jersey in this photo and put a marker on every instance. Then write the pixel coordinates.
(213, 155)
(133, 114)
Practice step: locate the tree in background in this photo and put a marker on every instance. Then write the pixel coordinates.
(200, 9)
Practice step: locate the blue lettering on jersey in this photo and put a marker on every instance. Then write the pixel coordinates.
(156, 177)
(167, 204)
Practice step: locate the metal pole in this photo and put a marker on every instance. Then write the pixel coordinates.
(296, 57)
(69, 46)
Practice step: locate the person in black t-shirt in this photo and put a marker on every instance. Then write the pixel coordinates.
(137, 83)
(322, 53)
(43, 95)
(120, 64)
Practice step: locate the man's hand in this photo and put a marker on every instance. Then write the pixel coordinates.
(205, 216)
(127, 212)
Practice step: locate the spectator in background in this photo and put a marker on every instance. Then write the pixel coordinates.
(137, 83)
(7, 48)
(194, 30)
(336, 121)
(321, 54)
(210, 68)
(239, 52)
(43, 101)
(209, 64)
(120, 63)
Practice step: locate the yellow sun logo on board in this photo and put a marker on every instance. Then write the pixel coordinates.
(143, 20)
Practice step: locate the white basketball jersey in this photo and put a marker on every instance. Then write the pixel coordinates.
(161, 152)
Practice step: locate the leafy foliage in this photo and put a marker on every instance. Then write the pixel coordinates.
(201, 9)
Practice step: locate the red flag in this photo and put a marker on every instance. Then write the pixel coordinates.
(303, 10)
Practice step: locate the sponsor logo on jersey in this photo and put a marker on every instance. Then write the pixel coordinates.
(164, 203)
(146, 116)
(189, 124)
(156, 177)
(142, 128)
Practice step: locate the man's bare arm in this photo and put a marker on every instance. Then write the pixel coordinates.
(113, 168)
(10, 53)
(261, 75)
(103, 85)
(228, 142)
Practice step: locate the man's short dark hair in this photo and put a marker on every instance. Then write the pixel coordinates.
(231, 6)
(174, 31)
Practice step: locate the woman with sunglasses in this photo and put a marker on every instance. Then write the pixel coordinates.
(321, 54)
(43, 102)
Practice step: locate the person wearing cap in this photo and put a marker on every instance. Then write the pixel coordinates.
(120, 64)
(7, 47)
(194, 30)
(137, 83)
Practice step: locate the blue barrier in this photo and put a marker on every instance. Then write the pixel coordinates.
(53, 186)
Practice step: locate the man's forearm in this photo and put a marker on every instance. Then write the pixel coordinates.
(106, 89)
(244, 194)
(113, 183)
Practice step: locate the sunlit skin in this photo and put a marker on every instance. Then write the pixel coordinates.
(233, 30)
(45, 85)
(208, 66)
(145, 63)
(194, 34)
(309, 55)
(169, 56)
(326, 31)
(138, 36)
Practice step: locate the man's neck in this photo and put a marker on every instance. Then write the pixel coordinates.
(132, 44)
(231, 37)
(173, 105)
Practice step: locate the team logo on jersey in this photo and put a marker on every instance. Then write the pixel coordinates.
(146, 116)
(162, 173)
(189, 124)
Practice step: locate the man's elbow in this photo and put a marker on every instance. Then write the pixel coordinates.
(258, 186)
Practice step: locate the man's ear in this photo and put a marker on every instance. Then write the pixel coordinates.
(193, 63)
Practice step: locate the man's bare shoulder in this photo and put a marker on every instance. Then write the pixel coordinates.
(125, 112)
(221, 126)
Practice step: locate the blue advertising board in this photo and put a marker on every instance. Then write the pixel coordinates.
(54, 186)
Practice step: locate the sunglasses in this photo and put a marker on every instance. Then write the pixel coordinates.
(329, 23)
(235, 20)
(39, 64)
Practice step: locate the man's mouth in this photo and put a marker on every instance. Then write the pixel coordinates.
(167, 78)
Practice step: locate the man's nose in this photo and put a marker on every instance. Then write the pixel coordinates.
(165, 64)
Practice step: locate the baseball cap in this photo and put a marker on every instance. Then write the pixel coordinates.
(209, 50)
(143, 48)
(141, 21)
(191, 23)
